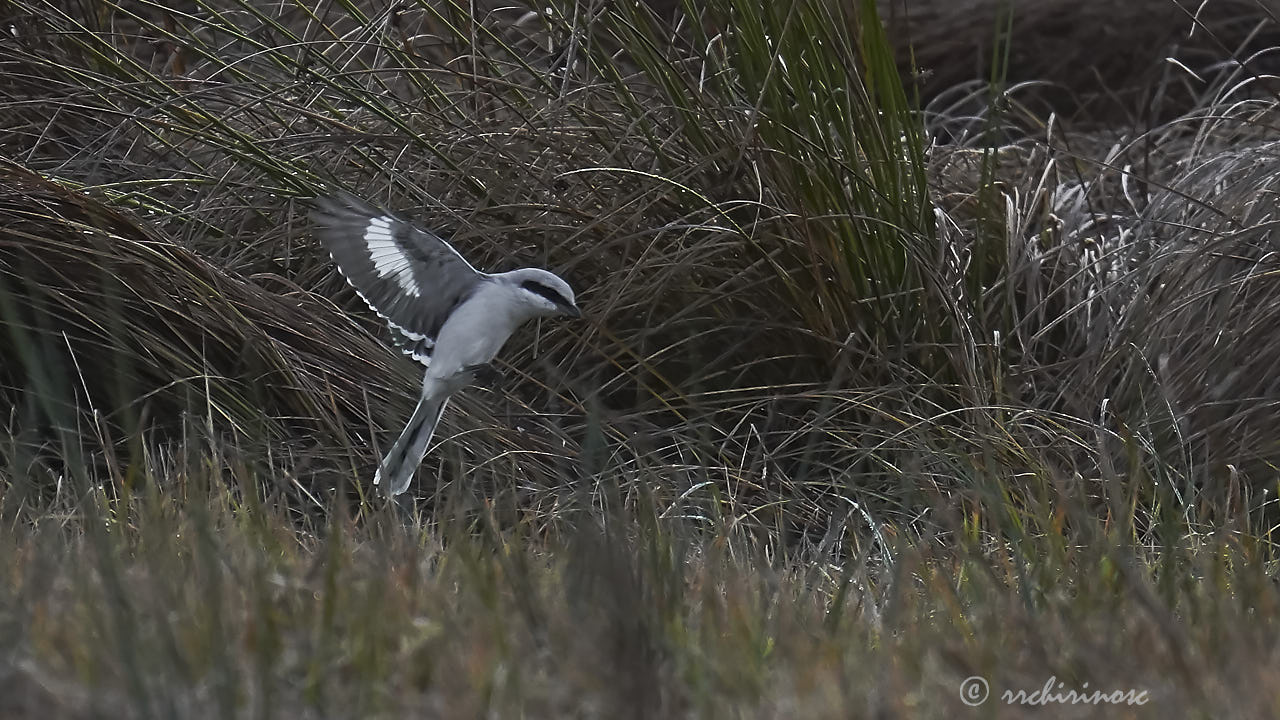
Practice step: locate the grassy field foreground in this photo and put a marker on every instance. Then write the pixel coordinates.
(202, 607)
(921, 374)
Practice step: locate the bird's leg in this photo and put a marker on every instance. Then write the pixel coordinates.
(483, 374)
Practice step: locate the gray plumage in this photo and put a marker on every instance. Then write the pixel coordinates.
(449, 316)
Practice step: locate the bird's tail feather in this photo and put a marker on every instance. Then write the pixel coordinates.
(397, 468)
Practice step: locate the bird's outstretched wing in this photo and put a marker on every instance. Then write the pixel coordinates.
(410, 277)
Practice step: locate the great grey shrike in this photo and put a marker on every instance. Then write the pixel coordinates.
(449, 316)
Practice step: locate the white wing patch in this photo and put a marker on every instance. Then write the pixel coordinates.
(410, 277)
(388, 259)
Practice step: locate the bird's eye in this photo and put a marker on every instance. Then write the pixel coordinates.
(541, 290)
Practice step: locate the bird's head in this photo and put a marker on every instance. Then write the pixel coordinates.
(543, 293)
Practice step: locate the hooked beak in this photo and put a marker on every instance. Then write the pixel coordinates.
(571, 310)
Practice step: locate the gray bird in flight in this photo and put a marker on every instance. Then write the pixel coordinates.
(447, 315)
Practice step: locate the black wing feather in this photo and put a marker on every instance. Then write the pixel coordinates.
(409, 276)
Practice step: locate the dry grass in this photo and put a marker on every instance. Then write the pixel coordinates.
(870, 399)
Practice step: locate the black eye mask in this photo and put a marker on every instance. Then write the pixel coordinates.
(538, 288)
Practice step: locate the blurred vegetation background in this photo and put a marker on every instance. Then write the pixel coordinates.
(924, 340)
